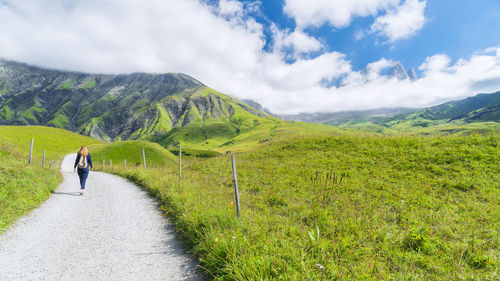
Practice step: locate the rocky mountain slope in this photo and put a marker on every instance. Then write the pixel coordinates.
(125, 106)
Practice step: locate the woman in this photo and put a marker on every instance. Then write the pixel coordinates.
(82, 163)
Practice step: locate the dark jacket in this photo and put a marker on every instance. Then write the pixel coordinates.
(89, 161)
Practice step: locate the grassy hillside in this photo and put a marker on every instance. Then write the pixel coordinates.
(56, 142)
(24, 187)
(132, 152)
(342, 208)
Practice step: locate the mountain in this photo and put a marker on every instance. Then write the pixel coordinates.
(168, 108)
(482, 107)
(465, 115)
(337, 118)
(400, 72)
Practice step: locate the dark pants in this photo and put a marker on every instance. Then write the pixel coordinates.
(83, 174)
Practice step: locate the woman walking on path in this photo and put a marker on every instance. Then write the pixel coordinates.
(82, 163)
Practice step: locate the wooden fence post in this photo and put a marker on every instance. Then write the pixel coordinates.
(235, 181)
(124, 163)
(180, 161)
(111, 164)
(31, 151)
(103, 163)
(50, 162)
(43, 159)
(144, 158)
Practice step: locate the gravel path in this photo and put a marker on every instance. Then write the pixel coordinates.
(114, 232)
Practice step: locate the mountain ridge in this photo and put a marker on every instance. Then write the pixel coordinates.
(117, 107)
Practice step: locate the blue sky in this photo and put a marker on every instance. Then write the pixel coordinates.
(289, 55)
(457, 28)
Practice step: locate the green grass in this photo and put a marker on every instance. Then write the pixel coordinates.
(65, 85)
(56, 142)
(407, 208)
(131, 151)
(6, 113)
(89, 84)
(24, 187)
(195, 152)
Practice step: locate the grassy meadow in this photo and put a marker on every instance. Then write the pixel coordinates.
(346, 207)
(56, 142)
(24, 187)
(131, 151)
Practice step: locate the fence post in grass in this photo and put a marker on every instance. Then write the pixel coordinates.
(180, 161)
(124, 163)
(144, 158)
(43, 159)
(50, 163)
(235, 181)
(103, 163)
(31, 151)
(111, 164)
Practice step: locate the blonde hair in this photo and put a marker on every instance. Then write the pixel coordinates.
(83, 151)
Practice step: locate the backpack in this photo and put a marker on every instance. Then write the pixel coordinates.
(82, 164)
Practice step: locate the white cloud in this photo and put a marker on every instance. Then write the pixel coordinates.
(224, 51)
(230, 7)
(296, 42)
(401, 22)
(338, 13)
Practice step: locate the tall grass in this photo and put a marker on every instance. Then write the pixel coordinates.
(343, 207)
(22, 187)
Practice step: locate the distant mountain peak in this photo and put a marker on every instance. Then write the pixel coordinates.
(412, 74)
(398, 71)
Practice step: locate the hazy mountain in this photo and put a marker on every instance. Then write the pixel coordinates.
(479, 108)
(336, 118)
(400, 72)
(461, 113)
(113, 107)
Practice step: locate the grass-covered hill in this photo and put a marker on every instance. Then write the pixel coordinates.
(131, 152)
(24, 187)
(345, 207)
(56, 142)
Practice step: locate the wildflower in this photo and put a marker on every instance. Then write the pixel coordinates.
(319, 266)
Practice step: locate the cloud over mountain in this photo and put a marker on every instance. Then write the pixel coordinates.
(226, 47)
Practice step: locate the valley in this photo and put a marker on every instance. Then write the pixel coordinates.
(387, 194)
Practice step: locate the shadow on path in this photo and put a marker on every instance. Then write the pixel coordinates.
(66, 193)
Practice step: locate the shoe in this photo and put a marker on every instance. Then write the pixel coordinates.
(82, 191)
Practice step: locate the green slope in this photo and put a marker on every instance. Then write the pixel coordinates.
(56, 142)
(407, 208)
(131, 151)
